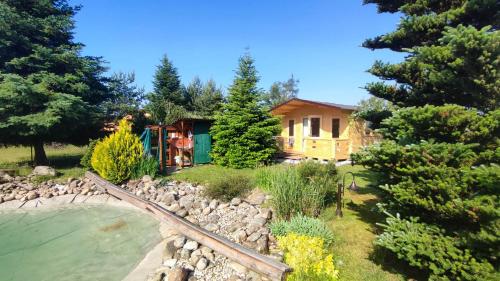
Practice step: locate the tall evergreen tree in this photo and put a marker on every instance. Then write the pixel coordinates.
(243, 131)
(439, 157)
(48, 90)
(280, 92)
(126, 97)
(167, 91)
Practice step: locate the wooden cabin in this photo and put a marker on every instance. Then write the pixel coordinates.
(320, 130)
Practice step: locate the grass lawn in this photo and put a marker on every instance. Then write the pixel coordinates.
(206, 174)
(65, 159)
(355, 231)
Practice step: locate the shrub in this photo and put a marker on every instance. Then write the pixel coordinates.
(229, 187)
(305, 188)
(85, 161)
(303, 225)
(426, 247)
(147, 166)
(308, 258)
(116, 156)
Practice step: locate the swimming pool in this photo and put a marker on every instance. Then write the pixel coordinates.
(74, 243)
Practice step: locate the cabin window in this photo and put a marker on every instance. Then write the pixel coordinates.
(291, 126)
(315, 127)
(335, 128)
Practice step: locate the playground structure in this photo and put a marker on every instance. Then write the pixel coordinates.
(184, 143)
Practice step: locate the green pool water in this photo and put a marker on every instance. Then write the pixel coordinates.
(76, 243)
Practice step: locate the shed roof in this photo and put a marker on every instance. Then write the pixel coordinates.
(295, 103)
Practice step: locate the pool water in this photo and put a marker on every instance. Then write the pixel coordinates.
(74, 243)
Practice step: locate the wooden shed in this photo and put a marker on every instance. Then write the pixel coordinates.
(185, 143)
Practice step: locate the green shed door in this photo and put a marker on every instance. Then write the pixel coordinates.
(202, 143)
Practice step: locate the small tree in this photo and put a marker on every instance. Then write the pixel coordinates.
(203, 99)
(116, 156)
(243, 131)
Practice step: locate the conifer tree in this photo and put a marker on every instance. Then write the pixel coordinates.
(168, 92)
(48, 90)
(439, 157)
(243, 131)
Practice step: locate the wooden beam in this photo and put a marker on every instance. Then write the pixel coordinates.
(236, 252)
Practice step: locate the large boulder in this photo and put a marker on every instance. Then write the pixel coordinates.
(43, 171)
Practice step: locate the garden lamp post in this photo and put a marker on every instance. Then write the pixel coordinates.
(340, 192)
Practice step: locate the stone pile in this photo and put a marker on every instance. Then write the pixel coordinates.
(23, 189)
(243, 221)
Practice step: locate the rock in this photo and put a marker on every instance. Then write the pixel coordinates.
(254, 237)
(202, 264)
(138, 192)
(240, 236)
(256, 197)
(185, 254)
(263, 244)
(235, 201)
(213, 218)
(260, 221)
(43, 171)
(178, 274)
(181, 213)
(187, 201)
(179, 242)
(174, 207)
(213, 204)
(31, 195)
(212, 227)
(206, 211)
(170, 249)
(252, 228)
(191, 245)
(170, 263)
(266, 213)
(205, 250)
(168, 198)
(147, 178)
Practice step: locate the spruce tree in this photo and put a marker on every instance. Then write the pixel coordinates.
(439, 157)
(168, 92)
(243, 131)
(48, 90)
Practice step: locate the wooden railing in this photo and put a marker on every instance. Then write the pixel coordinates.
(244, 256)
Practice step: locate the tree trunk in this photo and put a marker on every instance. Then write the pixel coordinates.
(40, 156)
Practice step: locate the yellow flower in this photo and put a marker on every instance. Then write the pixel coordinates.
(308, 258)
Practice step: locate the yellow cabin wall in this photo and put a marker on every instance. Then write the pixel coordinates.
(353, 134)
(324, 146)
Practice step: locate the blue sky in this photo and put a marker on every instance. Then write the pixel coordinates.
(318, 41)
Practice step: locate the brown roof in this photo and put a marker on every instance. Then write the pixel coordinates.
(296, 103)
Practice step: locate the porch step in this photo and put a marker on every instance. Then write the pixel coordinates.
(291, 155)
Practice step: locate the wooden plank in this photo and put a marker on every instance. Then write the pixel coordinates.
(236, 252)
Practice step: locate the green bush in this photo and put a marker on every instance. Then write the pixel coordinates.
(229, 187)
(303, 225)
(147, 166)
(302, 189)
(116, 156)
(426, 247)
(85, 161)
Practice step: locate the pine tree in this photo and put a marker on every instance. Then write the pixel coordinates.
(126, 98)
(243, 131)
(439, 157)
(48, 90)
(167, 91)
